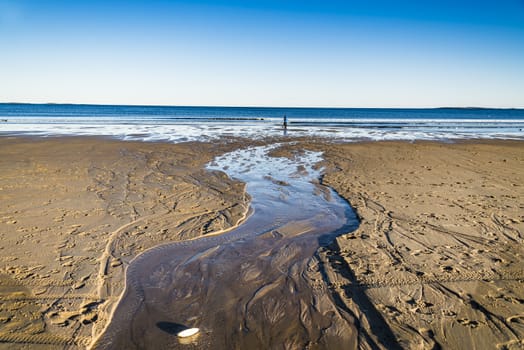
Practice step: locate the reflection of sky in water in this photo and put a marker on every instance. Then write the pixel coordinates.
(278, 183)
(219, 282)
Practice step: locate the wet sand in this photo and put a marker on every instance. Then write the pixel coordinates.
(75, 211)
(436, 261)
(251, 287)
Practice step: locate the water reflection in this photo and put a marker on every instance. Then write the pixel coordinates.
(253, 287)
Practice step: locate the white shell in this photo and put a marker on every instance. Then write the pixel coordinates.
(188, 332)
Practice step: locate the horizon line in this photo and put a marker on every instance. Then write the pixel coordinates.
(252, 106)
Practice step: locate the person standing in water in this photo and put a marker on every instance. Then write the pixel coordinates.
(284, 125)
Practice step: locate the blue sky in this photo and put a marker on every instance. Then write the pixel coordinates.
(264, 53)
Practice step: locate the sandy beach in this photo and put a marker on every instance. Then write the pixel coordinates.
(74, 213)
(437, 260)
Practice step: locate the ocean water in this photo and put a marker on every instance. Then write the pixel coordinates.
(179, 124)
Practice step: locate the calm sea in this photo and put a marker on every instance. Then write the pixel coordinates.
(177, 124)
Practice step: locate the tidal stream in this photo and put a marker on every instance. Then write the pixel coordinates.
(257, 286)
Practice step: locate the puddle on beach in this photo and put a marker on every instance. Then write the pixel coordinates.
(257, 286)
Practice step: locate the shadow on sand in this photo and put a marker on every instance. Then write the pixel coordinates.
(355, 291)
(171, 327)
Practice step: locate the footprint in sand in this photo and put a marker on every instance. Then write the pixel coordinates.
(468, 323)
(516, 321)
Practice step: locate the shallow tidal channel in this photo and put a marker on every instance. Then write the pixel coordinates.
(255, 286)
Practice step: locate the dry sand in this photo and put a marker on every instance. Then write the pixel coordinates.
(437, 260)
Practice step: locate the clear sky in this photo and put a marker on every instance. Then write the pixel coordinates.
(264, 53)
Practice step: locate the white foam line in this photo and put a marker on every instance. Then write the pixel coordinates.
(209, 132)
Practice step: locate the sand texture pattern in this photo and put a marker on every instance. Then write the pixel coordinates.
(437, 261)
(74, 212)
